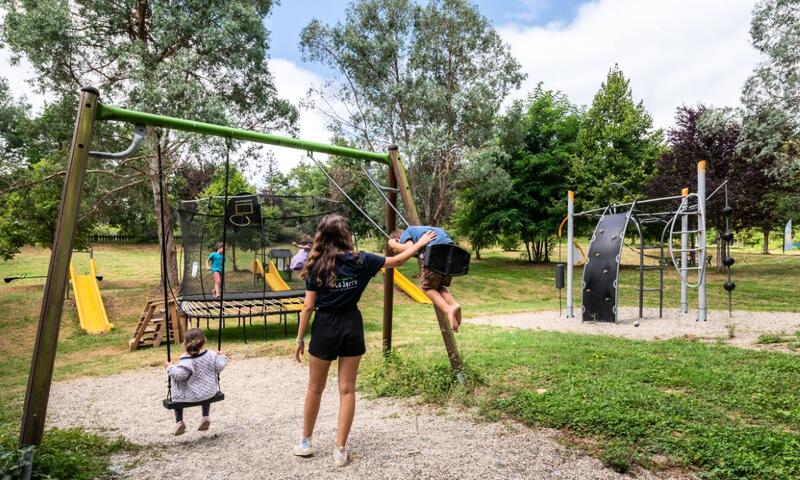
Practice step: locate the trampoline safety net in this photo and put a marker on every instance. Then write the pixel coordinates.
(256, 224)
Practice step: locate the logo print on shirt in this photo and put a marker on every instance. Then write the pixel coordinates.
(347, 282)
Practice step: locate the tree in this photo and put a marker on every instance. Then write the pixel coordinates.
(481, 215)
(168, 58)
(536, 144)
(429, 78)
(540, 151)
(713, 135)
(617, 144)
(771, 128)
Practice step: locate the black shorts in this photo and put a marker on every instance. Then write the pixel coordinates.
(337, 334)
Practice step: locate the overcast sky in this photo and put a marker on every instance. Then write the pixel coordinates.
(675, 52)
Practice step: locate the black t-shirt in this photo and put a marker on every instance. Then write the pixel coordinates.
(353, 273)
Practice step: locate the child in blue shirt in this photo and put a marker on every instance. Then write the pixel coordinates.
(214, 263)
(434, 284)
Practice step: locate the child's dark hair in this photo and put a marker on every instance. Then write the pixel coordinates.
(218, 245)
(331, 239)
(395, 235)
(194, 340)
(305, 239)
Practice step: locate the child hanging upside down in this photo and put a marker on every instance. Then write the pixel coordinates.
(434, 284)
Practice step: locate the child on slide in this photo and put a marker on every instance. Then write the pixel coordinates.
(195, 377)
(434, 284)
(214, 263)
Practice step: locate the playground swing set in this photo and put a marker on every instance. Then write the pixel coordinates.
(682, 222)
(445, 259)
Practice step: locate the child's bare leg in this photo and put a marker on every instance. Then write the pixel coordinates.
(439, 302)
(448, 297)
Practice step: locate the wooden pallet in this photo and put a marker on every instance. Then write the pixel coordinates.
(151, 330)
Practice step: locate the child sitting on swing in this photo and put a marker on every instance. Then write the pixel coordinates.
(434, 284)
(195, 378)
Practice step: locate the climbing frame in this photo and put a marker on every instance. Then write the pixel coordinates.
(601, 272)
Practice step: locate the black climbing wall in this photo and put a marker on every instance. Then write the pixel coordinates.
(602, 269)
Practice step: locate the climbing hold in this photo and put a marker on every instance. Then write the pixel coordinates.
(588, 290)
(596, 254)
(605, 271)
(727, 236)
(728, 261)
(727, 210)
(601, 231)
(729, 286)
(608, 299)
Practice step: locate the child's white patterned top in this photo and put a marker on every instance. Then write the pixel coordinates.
(194, 379)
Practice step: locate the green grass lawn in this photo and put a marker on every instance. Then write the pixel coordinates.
(725, 412)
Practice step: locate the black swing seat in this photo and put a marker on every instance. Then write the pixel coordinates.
(446, 259)
(174, 405)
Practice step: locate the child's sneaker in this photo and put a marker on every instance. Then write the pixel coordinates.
(204, 424)
(304, 448)
(340, 456)
(180, 428)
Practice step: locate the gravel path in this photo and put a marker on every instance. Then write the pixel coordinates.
(746, 326)
(254, 429)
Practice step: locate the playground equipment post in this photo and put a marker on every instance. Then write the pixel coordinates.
(570, 253)
(701, 239)
(684, 257)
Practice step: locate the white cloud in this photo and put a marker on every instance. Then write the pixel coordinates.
(19, 77)
(674, 52)
(292, 83)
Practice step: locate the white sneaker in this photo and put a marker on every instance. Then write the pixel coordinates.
(304, 448)
(340, 456)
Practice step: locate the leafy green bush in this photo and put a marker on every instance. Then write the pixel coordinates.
(769, 338)
(64, 454)
(400, 376)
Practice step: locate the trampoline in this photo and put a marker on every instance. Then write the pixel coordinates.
(250, 226)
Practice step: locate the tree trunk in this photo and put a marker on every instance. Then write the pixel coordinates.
(172, 256)
(478, 253)
(765, 251)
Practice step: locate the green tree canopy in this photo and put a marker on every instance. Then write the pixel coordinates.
(537, 142)
(201, 60)
(429, 78)
(617, 144)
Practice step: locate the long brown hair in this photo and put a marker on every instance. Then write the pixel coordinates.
(331, 239)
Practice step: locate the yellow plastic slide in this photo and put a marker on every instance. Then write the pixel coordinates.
(409, 288)
(274, 280)
(91, 311)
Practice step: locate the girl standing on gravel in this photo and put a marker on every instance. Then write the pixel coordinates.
(195, 377)
(336, 276)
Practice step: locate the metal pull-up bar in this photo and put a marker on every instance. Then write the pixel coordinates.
(107, 112)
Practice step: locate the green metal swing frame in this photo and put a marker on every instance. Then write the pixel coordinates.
(90, 111)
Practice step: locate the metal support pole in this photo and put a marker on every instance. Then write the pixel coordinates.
(701, 239)
(44, 350)
(684, 258)
(388, 275)
(570, 253)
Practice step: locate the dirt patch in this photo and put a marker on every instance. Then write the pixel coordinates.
(743, 327)
(254, 429)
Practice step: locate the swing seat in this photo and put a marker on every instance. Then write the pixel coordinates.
(446, 259)
(174, 405)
